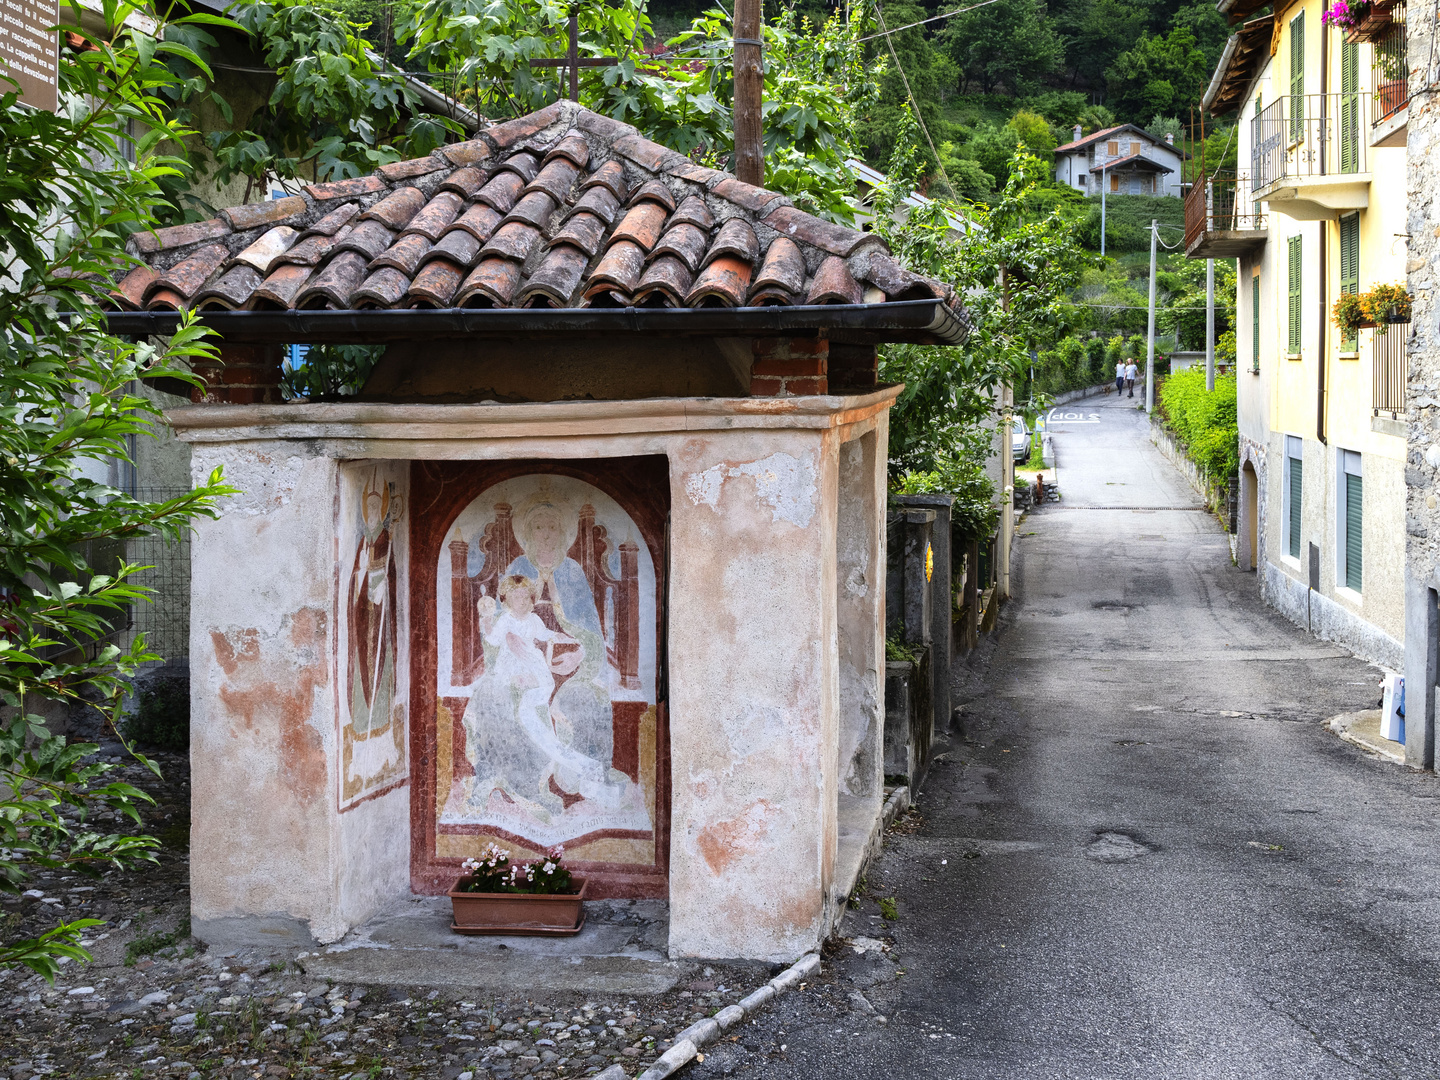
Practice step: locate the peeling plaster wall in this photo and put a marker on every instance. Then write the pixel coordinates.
(262, 712)
(756, 704)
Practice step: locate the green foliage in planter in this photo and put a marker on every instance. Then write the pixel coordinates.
(1204, 420)
(494, 873)
(1348, 313)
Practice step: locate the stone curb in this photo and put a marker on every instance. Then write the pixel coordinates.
(702, 1033)
(895, 805)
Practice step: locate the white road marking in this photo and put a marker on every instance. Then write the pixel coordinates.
(1057, 416)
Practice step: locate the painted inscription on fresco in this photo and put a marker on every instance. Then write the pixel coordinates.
(29, 50)
(546, 633)
(373, 690)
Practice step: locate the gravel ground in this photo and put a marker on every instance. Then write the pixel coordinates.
(153, 1003)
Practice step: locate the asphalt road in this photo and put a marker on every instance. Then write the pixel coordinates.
(1141, 855)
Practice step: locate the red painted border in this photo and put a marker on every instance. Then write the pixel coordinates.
(439, 492)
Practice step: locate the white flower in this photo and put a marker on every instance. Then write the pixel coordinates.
(549, 868)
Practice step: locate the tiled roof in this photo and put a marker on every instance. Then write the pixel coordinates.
(1132, 160)
(561, 208)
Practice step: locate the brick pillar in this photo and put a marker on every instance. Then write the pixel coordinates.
(790, 367)
(243, 375)
(853, 367)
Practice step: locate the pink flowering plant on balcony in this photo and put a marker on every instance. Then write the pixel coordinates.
(493, 872)
(1345, 16)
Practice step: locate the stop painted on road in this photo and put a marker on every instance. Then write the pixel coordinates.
(1060, 416)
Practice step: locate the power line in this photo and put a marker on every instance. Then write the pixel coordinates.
(922, 22)
(911, 95)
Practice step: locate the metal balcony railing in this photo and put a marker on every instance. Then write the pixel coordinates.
(1390, 69)
(1309, 135)
(1389, 360)
(1221, 203)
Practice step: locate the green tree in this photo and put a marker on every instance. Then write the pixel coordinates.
(930, 74)
(1098, 31)
(1010, 43)
(69, 197)
(1164, 75)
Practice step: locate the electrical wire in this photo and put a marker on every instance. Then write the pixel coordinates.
(913, 103)
(933, 18)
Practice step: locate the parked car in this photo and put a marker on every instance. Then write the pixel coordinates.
(1020, 441)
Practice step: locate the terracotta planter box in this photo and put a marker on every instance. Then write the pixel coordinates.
(518, 913)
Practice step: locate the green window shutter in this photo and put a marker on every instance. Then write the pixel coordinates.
(1255, 321)
(1354, 530)
(1297, 77)
(1350, 266)
(1349, 108)
(1293, 341)
(1297, 478)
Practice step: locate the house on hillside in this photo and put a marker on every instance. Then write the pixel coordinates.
(1127, 159)
(1316, 209)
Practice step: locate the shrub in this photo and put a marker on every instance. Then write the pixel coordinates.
(1204, 420)
(162, 715)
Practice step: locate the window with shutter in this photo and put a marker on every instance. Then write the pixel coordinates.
(1294, 482)
(1113, 148)
(1349, 107)
(1297, 77)
(1293, 314)
(1255, 323)
(1354, 519)
(1350, 268)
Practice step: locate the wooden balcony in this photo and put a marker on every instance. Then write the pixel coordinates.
(1222, 219)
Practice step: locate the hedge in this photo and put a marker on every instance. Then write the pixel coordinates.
(1204, 421)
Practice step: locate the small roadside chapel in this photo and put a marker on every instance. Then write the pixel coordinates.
(595, 558)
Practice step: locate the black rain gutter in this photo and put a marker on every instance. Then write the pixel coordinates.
(918, 321)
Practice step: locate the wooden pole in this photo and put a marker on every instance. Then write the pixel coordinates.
(749, 88)
(573, 56)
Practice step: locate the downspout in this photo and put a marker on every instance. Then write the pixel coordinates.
(1322, 392)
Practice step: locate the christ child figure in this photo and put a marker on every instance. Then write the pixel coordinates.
(524, 648)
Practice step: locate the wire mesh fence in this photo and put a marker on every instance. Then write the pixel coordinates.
(165, 619)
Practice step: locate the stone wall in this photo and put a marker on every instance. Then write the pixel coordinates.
(1422, 466)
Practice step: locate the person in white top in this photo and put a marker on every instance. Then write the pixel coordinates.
(1131, 374)
(1119, 377)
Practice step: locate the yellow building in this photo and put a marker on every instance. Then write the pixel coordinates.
(1316, 207)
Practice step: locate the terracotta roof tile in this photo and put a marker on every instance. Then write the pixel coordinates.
(480, 221)
(512, 241)
(534, 209)
(693, 211)
(465, 182)
(641, 225)
(332, 286)
(610, 176)
(384, 288)
(253, 215)
(554, 281)
(654, 191)
(397, 208)
(369, 238)
(130, 292)
(281, 287)
(621, 266)
(782, 274)
(685, 242)
(555, 179)
(436, 284)
(601, 202)
(268, 248)
(584, 231)
(489, 223)
(437, 214)
(572, 148)
(808, 229)
(407, 170)
(490, 284)
(666, 282)
(165, 300)
(231, 291)
(736, 237)
(834, 284)
(503, 191)
(189, 274)
(405, 254)
(458, 246)
(346, 189)
(723, 283)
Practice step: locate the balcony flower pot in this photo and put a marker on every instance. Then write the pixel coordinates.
(528, 914)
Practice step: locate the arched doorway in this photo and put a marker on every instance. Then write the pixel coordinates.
(1247, 554)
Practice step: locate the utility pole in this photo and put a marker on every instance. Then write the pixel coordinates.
(1209, 324)
(1102, 211)
(1007, 465)
(1150, 347)
(749, 87)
